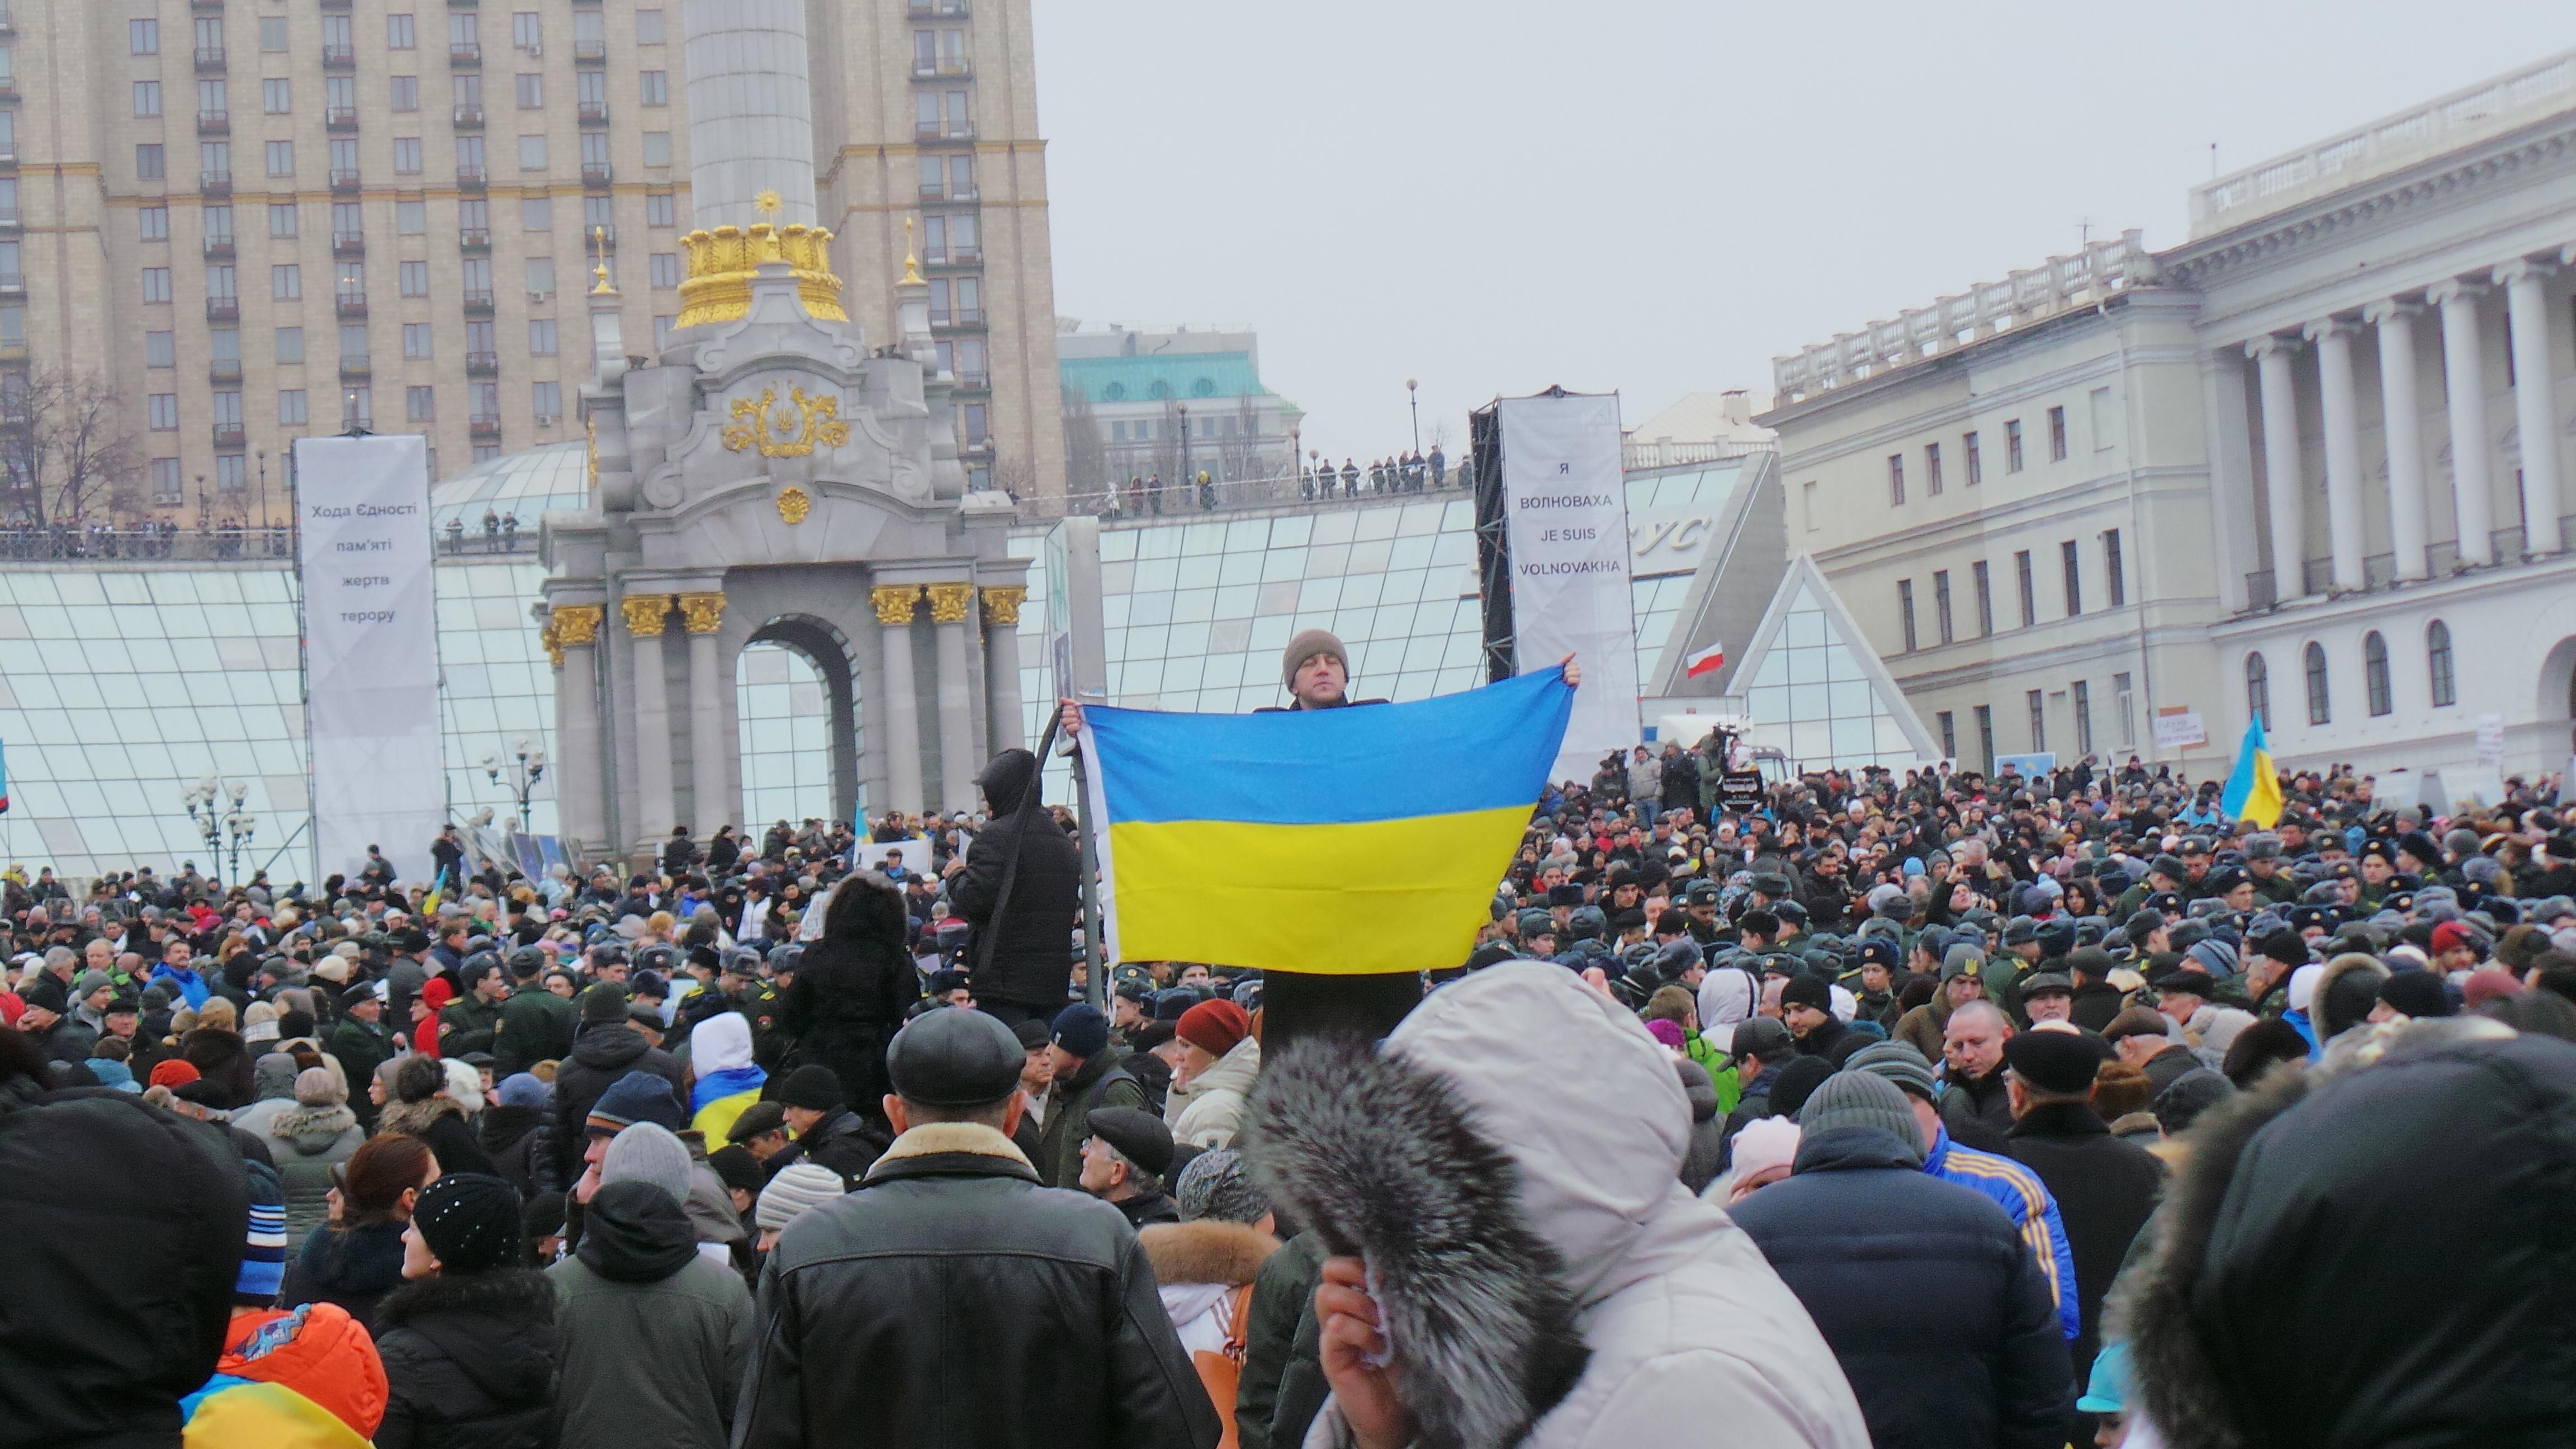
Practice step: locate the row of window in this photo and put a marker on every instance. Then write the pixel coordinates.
(286, 283)
(2035, 702)
(215, 158)
(402, 94)
(1972, 460)
(402, 32)
(233, 471)
(2439, 671)
(411, 218)
(2070, 565)
(420, 405)
(160, 349)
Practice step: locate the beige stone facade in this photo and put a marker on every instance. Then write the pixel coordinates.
(450, 165)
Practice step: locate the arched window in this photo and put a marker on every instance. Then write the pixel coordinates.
(2320, 711)
(2437, 654)
(2258, 690)
(2374, 673)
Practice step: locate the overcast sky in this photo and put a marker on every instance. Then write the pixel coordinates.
(1658, 196)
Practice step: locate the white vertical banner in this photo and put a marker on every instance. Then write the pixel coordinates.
(371, 651)
(1566, 514)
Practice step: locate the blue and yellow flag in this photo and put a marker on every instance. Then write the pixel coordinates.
(2254, 790)
(1349, 842)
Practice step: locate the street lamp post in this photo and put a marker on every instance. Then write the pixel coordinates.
(530, 767)
(1413, 399)
(1185, 457)
(227, 833)
(1294, 442)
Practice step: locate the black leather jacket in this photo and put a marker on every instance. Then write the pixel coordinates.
(951, 1300)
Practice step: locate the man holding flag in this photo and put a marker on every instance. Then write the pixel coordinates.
(1240, 834)
(2254, 789)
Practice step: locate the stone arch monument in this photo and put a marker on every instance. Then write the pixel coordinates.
(770, 475)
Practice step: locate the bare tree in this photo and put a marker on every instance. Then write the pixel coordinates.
(1015, 477)
(68, 448)
(1086, 460)
(1240, 450)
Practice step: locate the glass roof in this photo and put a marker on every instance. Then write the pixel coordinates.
(523, 485)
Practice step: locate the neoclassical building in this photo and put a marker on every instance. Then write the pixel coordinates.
(2308, 464)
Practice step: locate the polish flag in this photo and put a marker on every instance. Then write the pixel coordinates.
(1705, 661)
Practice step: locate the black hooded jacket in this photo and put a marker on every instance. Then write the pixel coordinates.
(1028, 961)
(469, 1362)
(603, 1054)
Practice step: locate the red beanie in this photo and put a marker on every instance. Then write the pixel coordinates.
(2448, 937)
(173, 1073)
(1213, 1027)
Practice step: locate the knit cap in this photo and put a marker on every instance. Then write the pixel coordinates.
(1217, 1184)
(1859, 1099)
(1214, 1027)
(315, 1087)
(645, 1152)
(263, 1261)
(639, 1096)
(1897, 1062)
(797, 1186)
(520, 1089)
(470, 1221)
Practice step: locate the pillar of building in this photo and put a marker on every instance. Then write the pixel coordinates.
(2286, 502)
(895, 605)
(2342, 409)
(2464, 368)
(2402, 428)
(647, 615)
(2535, 408)
(751, 128)
(572, 631)
(1002, 666)
(710, 782)
(949, 606)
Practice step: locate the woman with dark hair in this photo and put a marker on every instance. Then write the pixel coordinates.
(468, 1340)
(423, 1109)
(723, 852)
(852, 990)
(357, 1259)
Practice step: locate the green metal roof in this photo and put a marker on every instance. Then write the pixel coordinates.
(1179, 376)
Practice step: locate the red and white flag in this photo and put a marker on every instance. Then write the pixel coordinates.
(1711, 658)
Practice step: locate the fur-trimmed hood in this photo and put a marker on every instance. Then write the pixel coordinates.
(1206, 1251)
(1508, 1165)
(2351, 963)
(414, 1119)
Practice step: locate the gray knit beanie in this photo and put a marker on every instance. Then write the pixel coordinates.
(647, 1152)
(797, 1187)
(1218, 1185)
(1308, 644)
(1859, 1099)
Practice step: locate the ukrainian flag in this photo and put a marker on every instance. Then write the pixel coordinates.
(2254, 791)
(1349, 842)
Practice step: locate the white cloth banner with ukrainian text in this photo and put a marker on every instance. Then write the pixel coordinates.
(1567, 516)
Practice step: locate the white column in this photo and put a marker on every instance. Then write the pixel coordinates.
(646, 616)
(895, 604)
(2343, 451)
(579, 806)
(2402, 427)
(710, 794)
(2281, 470)
(2535, 408)
(949, 606)
(1002, 667)
(2464, 368)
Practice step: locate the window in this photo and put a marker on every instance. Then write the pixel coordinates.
(143, 37)
(2012, 445)
(2258, 691)
(660, 209)
(344, 160)
(404, 90)
(2113, 569)
(1986, 737)
(976, 417)
(468, 89)
(485, 400)
(541, 336)
(161, 349)
(2320, 708)
(148, 163)
(286, 283)
(277, 96)
(281, 158)
(406, 155)
(152, 223)
(537, 213)
(284, 218)
(655, 87)
(219, 283)
(2104, 426)
(398, 33)
(147, 98)
(215, 158)
(2124, 700)
(291, 411)
(464, 33)
(597, 211)
(2072, 563)
(480, 337)
(1984, 584)
(541, 277)
(1806, 501)
(2374, 674)
(353, 283)
(1941, 602)
(546, 400)
(416, 343)
(357, 406)
(2029, 591)
(469, 156)
(657, 148)
(2038, 703)
(156, 284)
(594, 148)
(1932, 469)
(527, 30)
(228, 408)
(1949, 734)
(413, 278)
(2083, 717)
(161, 411)
(648, 27)
(1896, 480)
(589, 34)
(420, 404)
(411, 218)
(2437, 657)
(532, 92)
(166, 487)
(1905, 611)
(290, 344)
(665, 269)
(224, 344)
(662, 326)
(478, 278)
(272, 33)
(532, 153)
(2057, 435)
(353, 341)
(348, 220)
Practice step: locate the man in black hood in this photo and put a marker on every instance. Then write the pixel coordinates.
(611, 1044)
(1022, 968)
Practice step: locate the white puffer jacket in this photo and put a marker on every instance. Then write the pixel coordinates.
(1213, 1111)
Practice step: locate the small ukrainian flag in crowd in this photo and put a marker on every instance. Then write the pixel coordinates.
(2254, 790)
(1355, 841)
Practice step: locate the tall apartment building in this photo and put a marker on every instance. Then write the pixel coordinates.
(270, 219)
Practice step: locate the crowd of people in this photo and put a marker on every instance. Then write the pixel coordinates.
(148, 538)
(1918, 1108)
(1405, 472)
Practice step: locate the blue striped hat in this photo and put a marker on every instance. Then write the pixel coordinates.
(263, 1261)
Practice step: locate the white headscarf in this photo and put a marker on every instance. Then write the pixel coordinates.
(721, 1043)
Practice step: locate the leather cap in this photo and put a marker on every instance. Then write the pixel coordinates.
(955, 1056)
(1139, 1136)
